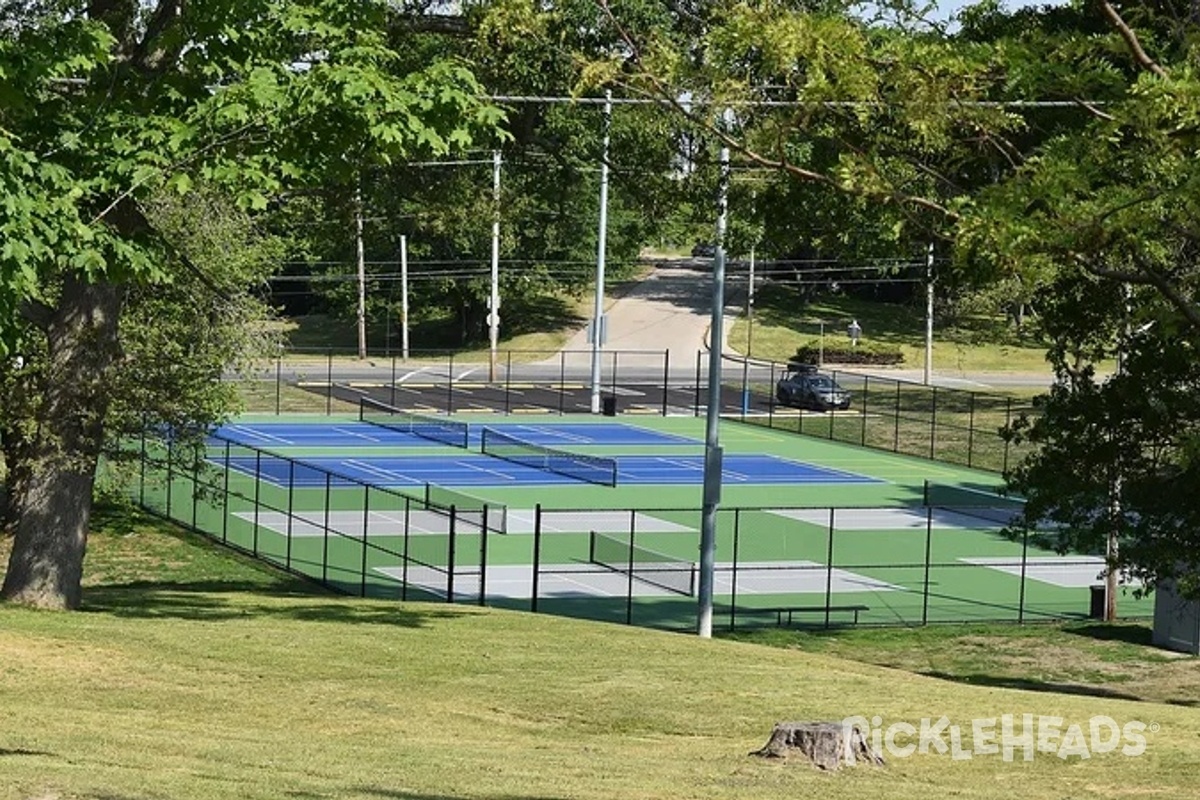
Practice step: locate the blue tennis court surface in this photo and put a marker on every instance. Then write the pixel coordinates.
(360, 434)
(476, 470)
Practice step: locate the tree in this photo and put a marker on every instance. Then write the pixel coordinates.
(106, 104)
(1069, 204)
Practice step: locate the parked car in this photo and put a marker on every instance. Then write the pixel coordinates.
(804, 387)
(704, 250)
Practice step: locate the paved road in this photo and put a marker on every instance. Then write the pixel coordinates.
(658, 334)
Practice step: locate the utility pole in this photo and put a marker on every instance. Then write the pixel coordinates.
(494, 298)
(404, 297)
(928, 314)
(712, 447)
(599, 330)
(362, 274)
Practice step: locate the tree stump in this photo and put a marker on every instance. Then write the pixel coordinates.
(826, 744)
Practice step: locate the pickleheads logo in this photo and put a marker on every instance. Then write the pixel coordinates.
(1009, 736)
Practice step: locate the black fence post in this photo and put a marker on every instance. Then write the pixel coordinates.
(537, 556)
(450, 559)
(771, 399)
(225, 497)
(928, 560)
(971, 429)
(408, 501)
(450, 386)
(257, 495)
(325, 538)
(562, 380)
(737, 528)
(142, 467)
(629, 582)
(866, 394)
(483, 555)
(287, 558)
(508, 383)
(696, 402)
(614, 374)
(1024, 565)
(278, 385)
(745, 387)
(366, 521)
(666, 379)
(195, 490)
(1007, 423)
(829, 566)
(392, 385)
(933, 424)
(329, 382)
(896, 416)
(170, 467)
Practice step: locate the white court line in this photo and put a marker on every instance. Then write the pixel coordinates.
(355, 434)
(486, 471)
(557, 434)
(688, 465)
(380, 473)
(251, 431)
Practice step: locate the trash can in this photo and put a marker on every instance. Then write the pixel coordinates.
(608, 405)
(1099, 601)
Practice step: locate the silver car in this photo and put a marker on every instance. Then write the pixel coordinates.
(806, 388)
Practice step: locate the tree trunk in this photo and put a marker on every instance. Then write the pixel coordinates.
(52, 501)
(828, 745)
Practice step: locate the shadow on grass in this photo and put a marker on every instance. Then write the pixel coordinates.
(1031, 685)
(214, 601)
(376, 791)
(1131, 634)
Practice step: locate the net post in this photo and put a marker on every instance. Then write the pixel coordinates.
(537, 556)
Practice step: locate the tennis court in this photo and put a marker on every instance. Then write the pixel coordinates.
(601, 519)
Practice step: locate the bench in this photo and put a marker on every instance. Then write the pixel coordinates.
(781, 612)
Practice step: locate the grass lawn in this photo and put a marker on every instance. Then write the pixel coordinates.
(194, 674)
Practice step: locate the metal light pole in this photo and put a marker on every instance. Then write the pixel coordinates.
(712, 447)
(599, 332)
(404, 297)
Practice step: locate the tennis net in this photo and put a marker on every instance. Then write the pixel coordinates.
(485, 515)
(979, 503)
(438, 429)
(620, 554)
(593, 469)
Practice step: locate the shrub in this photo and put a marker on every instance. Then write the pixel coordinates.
(865, 353)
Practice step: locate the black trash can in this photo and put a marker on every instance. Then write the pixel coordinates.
(1099, 601)
(608, 405)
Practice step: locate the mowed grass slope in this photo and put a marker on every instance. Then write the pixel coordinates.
(191, 674)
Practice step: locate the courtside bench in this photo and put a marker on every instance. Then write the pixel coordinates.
(785, 612)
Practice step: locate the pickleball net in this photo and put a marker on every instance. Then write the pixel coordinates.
(438, 429)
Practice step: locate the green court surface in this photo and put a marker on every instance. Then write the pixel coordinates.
(820, 553)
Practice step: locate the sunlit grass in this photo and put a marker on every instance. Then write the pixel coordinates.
(193, 675)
